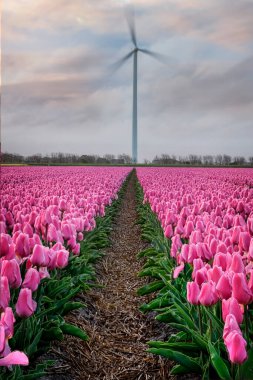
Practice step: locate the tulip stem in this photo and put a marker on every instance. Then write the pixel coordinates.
(247, 323)
(200, 319)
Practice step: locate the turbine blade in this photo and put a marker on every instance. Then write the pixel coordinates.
(129, 12)
(115, 66)
(160, 57)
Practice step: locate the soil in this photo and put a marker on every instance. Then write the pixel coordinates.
(118, 331)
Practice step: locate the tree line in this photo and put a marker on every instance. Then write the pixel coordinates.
(124, 159)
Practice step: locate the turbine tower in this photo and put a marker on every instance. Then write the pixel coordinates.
(134, 54)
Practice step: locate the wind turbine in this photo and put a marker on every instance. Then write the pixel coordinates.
(134, 54)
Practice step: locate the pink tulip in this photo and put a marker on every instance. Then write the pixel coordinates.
(222, 260)
(236, 346)
(237, 265)
(76, 249)
(25, 305)
(244, 241)
(52, 235)
(178, 270)
(231, 306)
(80, 236)
(169, 231)
(32, 279)
(22, 245)
(28, 230)
(4, 292)
(214, 273)
(224, 287)
(11, 270)
(40, 255)
(8, 320)
(2, 339)
(197, 264)
(14, 358)
(201, 276)
(193, 291)
(62, 258)
(67, 232)
(188, 228)
(207, 296)
(4, 245)
(240, 289)
(231, 324)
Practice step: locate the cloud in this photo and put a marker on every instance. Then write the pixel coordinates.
(59, 93)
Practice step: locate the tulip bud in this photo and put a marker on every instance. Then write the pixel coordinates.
(32, 279)
(25, 305)
(193, 291)
(240, 289)
(231, 306)
(4, 292)
(207, 296)
(11, 270)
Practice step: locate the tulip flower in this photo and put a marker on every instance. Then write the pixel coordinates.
(168, 231)
(4, 292)
(7, 320)
(62, 258)
(22, 245)
(14, 358)
(231, 306)
(236, 346)
(193, 291)
(207, 296)
(40, 255)
(4, 245)
(237, 265)
(214, 273)
(25, 305)
(32, 279)
(201, 276)
(240, 289)
(224, 286)
(244, 241)
(178, 270)
(11, 270)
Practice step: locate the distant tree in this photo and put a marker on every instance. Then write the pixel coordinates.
(109, 157)
(207, 160)
(194, 159)
(239, 160)
(125, 157)
(218, 159)
(87, 159)
(226, 159)
(251, 160)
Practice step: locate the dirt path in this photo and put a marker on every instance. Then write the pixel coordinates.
(118, 331)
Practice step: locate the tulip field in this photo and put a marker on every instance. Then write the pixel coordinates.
(198, 222)
(45, 214)
(201, 258)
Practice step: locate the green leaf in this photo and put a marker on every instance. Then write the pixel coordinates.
(69, 306)
(178, 357)
(74, 331)
(32, 348)
(178, 346)
(245, 371)
(179, 369)
(218, 364)
(150, 288)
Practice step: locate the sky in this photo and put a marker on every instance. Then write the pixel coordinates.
(59, 93)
